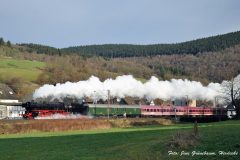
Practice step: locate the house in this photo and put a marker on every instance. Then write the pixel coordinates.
(10, 107)
(231, 110)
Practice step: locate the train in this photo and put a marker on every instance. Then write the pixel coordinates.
(41, 109)
(102, 110)
(35, 109)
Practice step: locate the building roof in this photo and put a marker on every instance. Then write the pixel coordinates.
(230, 107)
(6, 92)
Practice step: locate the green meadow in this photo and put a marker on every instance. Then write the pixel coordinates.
(25, 69)
(144, 142)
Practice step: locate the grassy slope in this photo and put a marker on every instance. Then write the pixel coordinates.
(128, 143)
(27, 70)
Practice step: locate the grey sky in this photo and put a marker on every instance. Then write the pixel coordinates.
(63, 23)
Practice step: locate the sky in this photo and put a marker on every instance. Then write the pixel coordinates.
(64, 23)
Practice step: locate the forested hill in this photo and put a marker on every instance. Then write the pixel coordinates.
(210, 44)
(40, 49)
(214, 43)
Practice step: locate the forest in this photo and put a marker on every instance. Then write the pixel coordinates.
(209, 44)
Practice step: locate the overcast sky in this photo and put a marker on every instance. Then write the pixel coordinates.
(63, 23)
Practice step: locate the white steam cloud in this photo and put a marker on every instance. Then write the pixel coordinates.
(127, 85)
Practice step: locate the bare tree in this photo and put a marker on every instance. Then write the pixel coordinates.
(231, 93)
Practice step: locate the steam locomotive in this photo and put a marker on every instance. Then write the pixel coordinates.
(43, 109)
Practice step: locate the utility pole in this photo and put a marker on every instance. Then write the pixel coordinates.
(108, 91)
(187, 100)
(95, 101)
(215, 102)
(175, 113)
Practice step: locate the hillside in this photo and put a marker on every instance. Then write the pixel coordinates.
(27, 66)
(209, 44)
(25, 69)
(20, 75)
(208, 66)
(19, 71)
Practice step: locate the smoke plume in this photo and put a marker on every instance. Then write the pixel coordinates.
(127, 85)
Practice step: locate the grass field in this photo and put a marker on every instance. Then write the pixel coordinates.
(145, 142)
(27, 70)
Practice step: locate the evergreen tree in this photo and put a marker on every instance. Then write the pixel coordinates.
(59, 52)
(1, 41)
(9, 44)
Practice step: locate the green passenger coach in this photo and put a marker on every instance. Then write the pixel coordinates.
(114, 110)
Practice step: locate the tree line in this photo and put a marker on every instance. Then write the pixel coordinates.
(40, 49)
(209, 44)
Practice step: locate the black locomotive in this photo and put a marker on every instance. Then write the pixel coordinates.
(44, 109)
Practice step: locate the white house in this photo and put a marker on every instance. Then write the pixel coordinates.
(10, 107)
